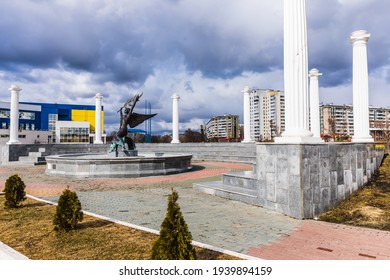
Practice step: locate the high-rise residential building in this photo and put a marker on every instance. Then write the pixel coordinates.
(224, 128)
(338, 119)
(266, 114)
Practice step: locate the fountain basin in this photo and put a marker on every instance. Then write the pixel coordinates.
(107, 166)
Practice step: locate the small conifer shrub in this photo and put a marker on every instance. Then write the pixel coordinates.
(174, 242)
(14, 191)
(68, 211)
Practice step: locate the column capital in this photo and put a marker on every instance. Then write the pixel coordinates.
(15, 88)
(99, 96)
(359, 36)
(175, 96)
(314, 73)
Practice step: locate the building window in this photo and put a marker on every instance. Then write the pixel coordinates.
(4, 114)
(74, 135)
(53, 118)
(26, 115)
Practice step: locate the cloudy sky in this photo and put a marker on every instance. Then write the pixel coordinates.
(66, 51)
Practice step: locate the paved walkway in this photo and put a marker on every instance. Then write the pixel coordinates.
(215, 221)
(7, 253)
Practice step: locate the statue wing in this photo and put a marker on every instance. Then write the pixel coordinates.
(136, 119)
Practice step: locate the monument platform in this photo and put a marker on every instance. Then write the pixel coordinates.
(301, 180)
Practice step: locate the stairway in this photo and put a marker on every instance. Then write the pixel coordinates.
(33, 158)
(240, 186)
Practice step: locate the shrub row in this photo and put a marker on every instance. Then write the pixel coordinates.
(174, 242)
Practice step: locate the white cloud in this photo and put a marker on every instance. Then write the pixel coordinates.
(206, 51)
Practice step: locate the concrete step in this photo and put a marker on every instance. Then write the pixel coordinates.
(29, 158)
(230, 158)
(40, 161)
(217, 188)
(34, 160)
(34, 154)
(19, 163)
(245, 179)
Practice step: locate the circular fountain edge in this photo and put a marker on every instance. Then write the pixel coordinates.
(106, 166)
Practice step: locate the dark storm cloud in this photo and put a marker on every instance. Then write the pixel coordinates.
(42, 36)
(124, 43)
(195, 48)
(330, 24)
(125, 47)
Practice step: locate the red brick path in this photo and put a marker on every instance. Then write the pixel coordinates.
(314, 240)
(44, 186)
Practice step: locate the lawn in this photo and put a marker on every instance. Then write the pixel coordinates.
(29, 229)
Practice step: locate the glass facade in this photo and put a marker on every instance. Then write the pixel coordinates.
(4, 114)
(74, 135)
(53, 118)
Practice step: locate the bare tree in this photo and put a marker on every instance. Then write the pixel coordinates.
(332, 127)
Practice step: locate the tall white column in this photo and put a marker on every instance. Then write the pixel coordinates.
(295, 74)
(315, 103)
(14, 116)
(98, 118)
(175, 118)
(361, 120)
(247, 116)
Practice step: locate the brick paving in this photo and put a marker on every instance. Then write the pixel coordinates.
(315, 240)
(215, 221)
(39, 184)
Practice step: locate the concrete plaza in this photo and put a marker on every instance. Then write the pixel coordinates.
(225, 224)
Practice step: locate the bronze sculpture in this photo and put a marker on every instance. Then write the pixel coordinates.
(128, 118)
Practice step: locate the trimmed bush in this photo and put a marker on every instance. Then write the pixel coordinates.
(174, 242)
(14, 191)
(68, 212)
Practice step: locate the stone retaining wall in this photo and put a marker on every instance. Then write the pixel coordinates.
(305, 180)
(230, 152)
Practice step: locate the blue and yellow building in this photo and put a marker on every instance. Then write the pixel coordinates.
(45, 116)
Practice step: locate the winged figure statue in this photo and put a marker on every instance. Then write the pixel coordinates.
(128, 118)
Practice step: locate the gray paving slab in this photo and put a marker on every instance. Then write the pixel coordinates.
(222, 223)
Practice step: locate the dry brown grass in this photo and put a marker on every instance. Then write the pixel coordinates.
(29, 230)
(368, 207)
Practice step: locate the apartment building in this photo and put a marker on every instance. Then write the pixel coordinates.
(338, 119)
(224, 128)
(266, 114)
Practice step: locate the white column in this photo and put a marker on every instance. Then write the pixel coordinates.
(14, 115)
(295, 74)
(98, 118)
(175, 118)
(247, 116)
(361, 122)
(315, 103)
